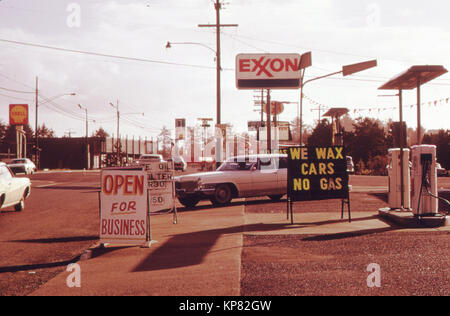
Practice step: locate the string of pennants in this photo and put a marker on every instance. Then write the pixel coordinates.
(378, 108)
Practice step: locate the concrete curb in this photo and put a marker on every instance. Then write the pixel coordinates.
(407, 219)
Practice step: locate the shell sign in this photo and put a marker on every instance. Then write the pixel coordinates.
(18, 114)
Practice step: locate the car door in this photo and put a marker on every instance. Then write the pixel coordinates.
(281, 163)
(6, 183)
(264, 178)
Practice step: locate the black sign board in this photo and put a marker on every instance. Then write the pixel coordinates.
(317, 173)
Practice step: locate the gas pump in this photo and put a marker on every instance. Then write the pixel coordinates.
(395, 174)
(424, 180)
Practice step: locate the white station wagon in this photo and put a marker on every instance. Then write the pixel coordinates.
(13, 191)
(238, 177)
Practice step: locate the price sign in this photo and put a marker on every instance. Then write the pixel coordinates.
(161, 186)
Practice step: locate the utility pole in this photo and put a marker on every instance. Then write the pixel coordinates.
(268, 124)
(218, 7)
(87, 155)
(36, 152)
(118, 137)
(319, 109)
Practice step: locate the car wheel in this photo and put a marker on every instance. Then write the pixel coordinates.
(20, 206)
(276, 197)
(189, 201)
(222, 195)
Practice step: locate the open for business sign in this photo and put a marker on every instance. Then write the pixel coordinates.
(123, 206)
(317, 173)
(268, 71)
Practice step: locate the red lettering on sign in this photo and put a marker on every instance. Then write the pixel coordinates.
(124, 227)
(244, 65)
(275, 67)
(268, 66)
(262, 67)
(126, 185)
(292, 64)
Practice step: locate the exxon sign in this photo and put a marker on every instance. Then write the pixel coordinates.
(268, 71)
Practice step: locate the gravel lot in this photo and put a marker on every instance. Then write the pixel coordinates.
(412, 263)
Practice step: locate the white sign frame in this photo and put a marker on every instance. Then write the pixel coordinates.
(124, 207)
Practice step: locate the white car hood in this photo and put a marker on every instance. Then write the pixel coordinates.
(202, 175)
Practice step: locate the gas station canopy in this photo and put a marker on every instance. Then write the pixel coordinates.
(336, 112)
(414, 77)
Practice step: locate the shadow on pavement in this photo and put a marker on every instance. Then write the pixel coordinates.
(31, 267)
(57, 239)
(238, 203)
(191, 248)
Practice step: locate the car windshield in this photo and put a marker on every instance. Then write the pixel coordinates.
(236, 166)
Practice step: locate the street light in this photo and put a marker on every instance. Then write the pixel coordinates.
(169, 45)
(218, 70)
(36, 140)
(86, 110)
(87, 135)
(346, 71)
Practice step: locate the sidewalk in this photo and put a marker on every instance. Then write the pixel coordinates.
(201, 255)
(198, 256)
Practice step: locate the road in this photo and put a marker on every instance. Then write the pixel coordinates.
(60, 221)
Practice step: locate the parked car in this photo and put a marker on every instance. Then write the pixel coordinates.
(13, 190)
(178, 163)
(441, 172)
(350, 165)
(149, 158)
(22, 165)
(238, 177)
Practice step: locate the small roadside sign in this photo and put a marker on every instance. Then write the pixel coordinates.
(161, 185)
(123, 207)
(317, 173)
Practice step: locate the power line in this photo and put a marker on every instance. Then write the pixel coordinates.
(16, 91)
(14, 97)
(105, 55)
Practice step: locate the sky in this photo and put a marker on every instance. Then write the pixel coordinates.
(153, 85)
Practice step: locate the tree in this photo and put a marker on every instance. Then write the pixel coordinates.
(367, 141)
(100, 133)
(45, 132)
(9, 138)
(3, 128)
(295, 130)
(322, 134)
(442, 142)
(165, 139)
